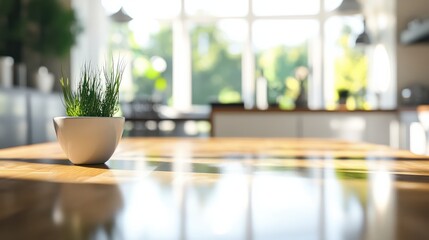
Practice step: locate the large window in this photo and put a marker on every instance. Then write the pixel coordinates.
(346, 65)
(148, 54)
(216, 61)
(188, 53)
(282, 50)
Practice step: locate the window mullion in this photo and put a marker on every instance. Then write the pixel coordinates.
(319, 77)
(182, 72)
(248, 64)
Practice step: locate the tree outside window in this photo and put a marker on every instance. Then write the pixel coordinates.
(285, 51)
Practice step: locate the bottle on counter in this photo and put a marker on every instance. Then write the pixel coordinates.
(261, 91)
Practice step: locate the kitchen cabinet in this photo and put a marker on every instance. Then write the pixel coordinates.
(14, 116)
(255, 124)
(42, 109)
(380, 127)
(373, 127)
(26, 116)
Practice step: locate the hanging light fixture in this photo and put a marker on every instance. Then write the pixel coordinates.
(121, 16)
(348, 5)
(363, 38)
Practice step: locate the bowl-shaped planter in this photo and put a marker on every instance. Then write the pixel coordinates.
(89, 140)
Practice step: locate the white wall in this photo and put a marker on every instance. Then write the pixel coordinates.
(92, 42)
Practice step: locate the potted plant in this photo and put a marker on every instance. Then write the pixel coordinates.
(343, 94)
(51, 31)
(90, 133)
(35, 33)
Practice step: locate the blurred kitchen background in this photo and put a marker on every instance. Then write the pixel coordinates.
(359, 65)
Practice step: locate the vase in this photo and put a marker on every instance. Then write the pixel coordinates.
(6, 72)
(89, 140)
(44, 80)
(20, 72)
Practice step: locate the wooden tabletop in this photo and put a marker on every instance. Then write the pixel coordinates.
(159, 188)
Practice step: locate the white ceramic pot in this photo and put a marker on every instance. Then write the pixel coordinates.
(89, 140)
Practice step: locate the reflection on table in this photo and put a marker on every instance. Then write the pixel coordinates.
(167, 188)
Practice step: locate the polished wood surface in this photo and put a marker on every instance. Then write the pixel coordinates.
(159, 188)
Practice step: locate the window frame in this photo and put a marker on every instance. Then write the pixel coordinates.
(182, 98)
(91, 45)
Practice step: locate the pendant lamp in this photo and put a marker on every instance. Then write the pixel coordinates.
(121, 16)
(363, 38)
(349, 5)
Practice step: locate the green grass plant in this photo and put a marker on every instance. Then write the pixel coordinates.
(97, 92)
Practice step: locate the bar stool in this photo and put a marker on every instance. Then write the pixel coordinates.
(143, 116)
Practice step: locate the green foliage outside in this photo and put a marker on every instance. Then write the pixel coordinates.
(216, 72)
(97, 95)
(147, 81)
(351, 70)
(279, 65)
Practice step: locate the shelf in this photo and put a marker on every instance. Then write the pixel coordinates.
(417, 31)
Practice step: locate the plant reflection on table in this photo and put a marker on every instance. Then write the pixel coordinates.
(367, 198)
(79, 221)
